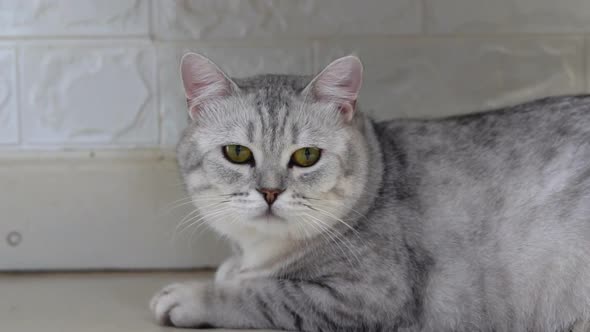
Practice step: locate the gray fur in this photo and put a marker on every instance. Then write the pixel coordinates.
(478, 222)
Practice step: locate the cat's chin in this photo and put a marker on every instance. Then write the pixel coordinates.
(268, 216)
(263, 226)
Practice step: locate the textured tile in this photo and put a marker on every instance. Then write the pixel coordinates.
(208, 19)
(505, 16)
(88, 94)
(236, 61)
(8, 97)
(427, 78)
(68, 17)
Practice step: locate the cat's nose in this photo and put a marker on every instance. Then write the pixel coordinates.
(270, 194)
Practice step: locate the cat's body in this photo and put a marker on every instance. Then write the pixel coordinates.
(499, 204)
(470, 223)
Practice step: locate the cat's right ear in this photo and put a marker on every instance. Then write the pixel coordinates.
(203, 82)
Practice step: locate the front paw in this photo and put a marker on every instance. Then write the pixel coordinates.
(180, 305)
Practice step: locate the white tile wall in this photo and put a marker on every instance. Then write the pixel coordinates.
(33, 18)
(84, 73)
(211, 19)
(8, 96)
(80, 93)
(469, 17)
(437, 77)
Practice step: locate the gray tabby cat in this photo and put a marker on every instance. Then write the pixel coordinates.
(478, 222)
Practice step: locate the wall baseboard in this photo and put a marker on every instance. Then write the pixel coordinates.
(97, 210)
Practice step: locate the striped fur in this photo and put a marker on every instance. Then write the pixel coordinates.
(469, 223)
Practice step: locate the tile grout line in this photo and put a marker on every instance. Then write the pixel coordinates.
(157, 93)
(150, 19)
(17, 83)
(423, 23)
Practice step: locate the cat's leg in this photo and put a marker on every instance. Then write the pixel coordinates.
(228, 269)
(267, 304)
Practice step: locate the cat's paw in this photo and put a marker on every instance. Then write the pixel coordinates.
(180, 305)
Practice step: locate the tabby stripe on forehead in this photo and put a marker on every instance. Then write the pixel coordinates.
(259, 106)
(284, 118)
(274, 118)
(294, 133)
(250, 132)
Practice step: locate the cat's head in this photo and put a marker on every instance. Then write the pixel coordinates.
(281, 155)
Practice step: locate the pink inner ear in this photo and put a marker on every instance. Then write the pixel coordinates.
(340, 82)
(347, 111)
(203, 81)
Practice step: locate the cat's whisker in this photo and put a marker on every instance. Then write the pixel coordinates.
(305, 235)
(363, 190)
(196, 210)
(321, 231)
(339, 234)
(179, 202)
(325, 229)
(210, 196)
(183, 199)
(196, 230)
(168, 210)
(337, 202)
(211, 203)
(199, 217)
(182, 222)
(218, 216)
(336, 234)
(328, 214)
(342, 205)
(218, 236)
(190, 200)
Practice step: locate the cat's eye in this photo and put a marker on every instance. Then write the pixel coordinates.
(238, 154)
(305, 157)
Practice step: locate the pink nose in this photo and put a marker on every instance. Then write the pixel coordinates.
(270, 194)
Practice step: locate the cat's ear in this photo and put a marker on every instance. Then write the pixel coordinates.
(203, 82)
(339, 83)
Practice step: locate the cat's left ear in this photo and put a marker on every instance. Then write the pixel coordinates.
(339, 83)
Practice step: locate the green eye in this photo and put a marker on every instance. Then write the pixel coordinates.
(306, 157)
(237, 154)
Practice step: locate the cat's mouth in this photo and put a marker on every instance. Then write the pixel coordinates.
(269, 216)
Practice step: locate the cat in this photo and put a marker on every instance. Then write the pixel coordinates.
(476, 222)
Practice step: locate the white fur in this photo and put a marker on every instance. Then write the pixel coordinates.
(182, 304)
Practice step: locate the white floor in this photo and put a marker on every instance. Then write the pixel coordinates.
(89, 302)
